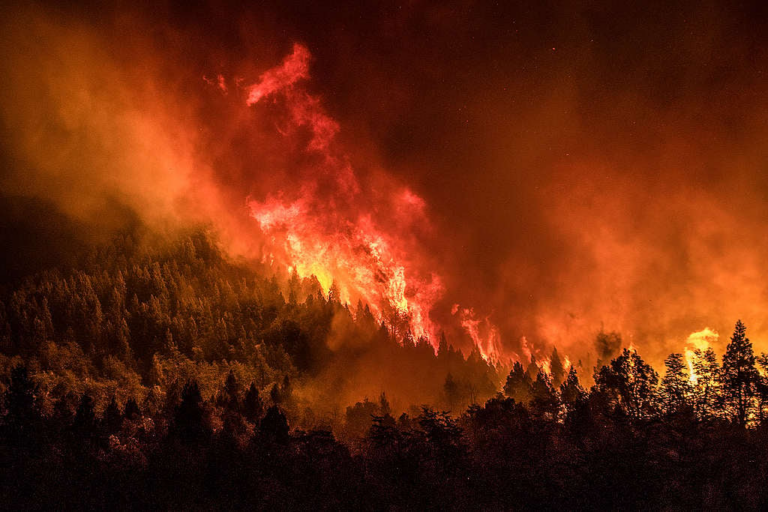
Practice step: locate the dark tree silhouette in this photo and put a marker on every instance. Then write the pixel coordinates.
(189, 421)
(274, 426)
(131, 411)
(253, 407)
(231, 392)
(676, 385)
(451, 390)
(84, 425)
(274, 395)
(740, 376)
(571, 392)
(113, 418)
(518, 385)
(134, 323)
(22, 413)
(544, 403)
(629, 383)
(706, 386)
(557, 369)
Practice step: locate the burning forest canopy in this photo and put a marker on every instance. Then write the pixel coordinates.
(506, 180)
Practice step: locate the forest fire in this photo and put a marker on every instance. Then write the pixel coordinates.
(349, 255)
(348, 178)
(330, 230)
(484, 334)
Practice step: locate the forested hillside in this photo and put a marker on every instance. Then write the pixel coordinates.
(135, 323)
(178, 378)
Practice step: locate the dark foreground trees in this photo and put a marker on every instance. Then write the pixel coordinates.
(630, 442)
(176, 380)
(739, 376)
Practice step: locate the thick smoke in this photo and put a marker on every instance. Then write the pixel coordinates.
(582, 165)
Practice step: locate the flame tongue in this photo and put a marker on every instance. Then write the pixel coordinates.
(329, 230)
(484, 334)
(360, 258)
(294, 68)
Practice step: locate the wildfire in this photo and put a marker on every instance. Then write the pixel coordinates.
(545, 365)
(484, 334)
(329, 229)
(397, 291)
(337, 230)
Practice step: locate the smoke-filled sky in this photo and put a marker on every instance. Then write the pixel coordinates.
(537, 169)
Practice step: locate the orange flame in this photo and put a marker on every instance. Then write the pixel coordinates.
(545, 365)
(327, 230)
(484, 334)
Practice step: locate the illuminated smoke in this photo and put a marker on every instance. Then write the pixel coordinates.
(581, 193)
(329, 229)
(294, 68)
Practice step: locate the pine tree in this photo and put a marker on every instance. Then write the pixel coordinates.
(189, 421)
(253, 406)
(571, 392)
(123, 341)
(293, 288)
(274, 426)
(740, 375)
(451, 390)
(274, 394)
(113, 418)
(384, 408)
(629, 382)
(676, 385)
(557, 369)
(84, 425)
(334, 295)
(518, 384)
(156, 376)
(442, 347)
(231, 392)
(23, 415)
(131, 411)
(544, 400)
(706, 383)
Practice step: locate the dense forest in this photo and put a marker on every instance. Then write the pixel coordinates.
(179, 379)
